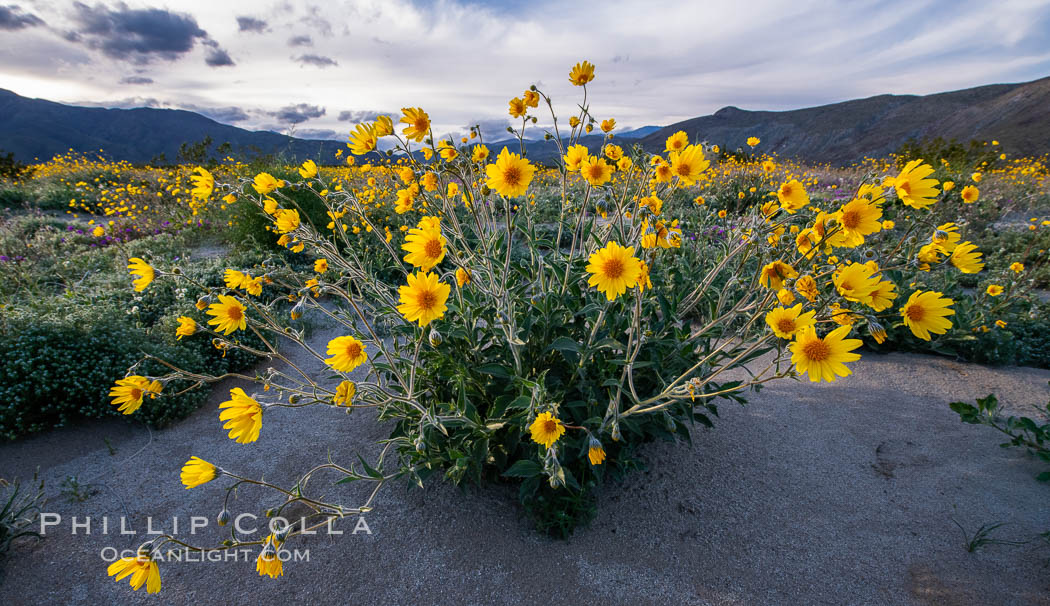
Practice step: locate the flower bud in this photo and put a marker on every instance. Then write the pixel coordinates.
(615, 433)
(435, 337)
(224, 517)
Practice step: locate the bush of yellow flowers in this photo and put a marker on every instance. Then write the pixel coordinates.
(506, 350)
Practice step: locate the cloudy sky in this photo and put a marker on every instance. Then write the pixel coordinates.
(320, 67)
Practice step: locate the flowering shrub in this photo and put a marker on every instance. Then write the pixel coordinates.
(503, 349)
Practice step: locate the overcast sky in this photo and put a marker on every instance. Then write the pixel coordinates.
(319, 68)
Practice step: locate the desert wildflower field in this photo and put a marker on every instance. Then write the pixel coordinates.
(437, 366)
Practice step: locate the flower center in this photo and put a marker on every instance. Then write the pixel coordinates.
(512, 176)
(136, 393)
(785, 191)
(427, 300)
(420, 124)
(905, 187)
(353, 350)
(234, 313)
(816, 350)
(850, 219)
(786, 325)
(613, 268)
(684, 169)
(915, 313)
(550, 426)
(432, 248)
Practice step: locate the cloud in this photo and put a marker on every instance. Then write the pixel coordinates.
(136, 80)
(216, 56)
(12, 18)
(226, 115)
(300, 41)
(317, 133)
(251, 24)
(140, 35)
(317, 60)
(361, 115)
(294, 114)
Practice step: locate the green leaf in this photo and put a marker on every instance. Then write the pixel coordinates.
(524, 468)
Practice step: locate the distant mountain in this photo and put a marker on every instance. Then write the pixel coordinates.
(1017, 115)
(36, 128)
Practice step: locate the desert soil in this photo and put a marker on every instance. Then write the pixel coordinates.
(839, 493)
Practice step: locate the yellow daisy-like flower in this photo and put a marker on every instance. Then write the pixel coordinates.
(479, 154)
(98, 232)
(926, 312)
(792, 196)
(976, 177)
(596, 171)
(425, 247)
(575, 156)
(517, 108)
(676, 142)
(688, 164)
(418, 123)
(613, 152)
(856, 282)
(269, 564)
(753, 141)
(228, 315)
(129, 392)
(203, 184)
(824, 359)
(883, 296)
(344, 393)
(347, 353)
(321, 266)
(197, 471)
(768, 166)
(252, 286)
(546, 429)
(608, 125)
(141, 568)
(581, 73)
(614, 269)
(785, 323)
(266, 183)
(595, 452)
(423, 298)
(462, 277)
(773, 274)
(970, 194)
(308, 170)
(187, 327)
(510, 175)
(243, 416)
(286, 220)
(1017, 267)
(363, 139)
(383, 126)
(859, 218)
(913, 187)
(994, 290)
(143, 270)
(807, 287)
(967, 258)
(532, 98)
(447, 151)
(234, 278)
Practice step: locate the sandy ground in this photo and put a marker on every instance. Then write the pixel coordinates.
(835, 494)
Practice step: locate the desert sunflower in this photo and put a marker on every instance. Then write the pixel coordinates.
(970, 194)
(510, 175)
(287, 220)
(546, 429)
(143, 270)
(197, 471)
(676, 142)
(859, 217)
(926, 312)
(187, 327)
(575, 156)
(688, 164)
(203, 184)
(787, 322)
(243, 416)
(347, 353)
(269, 563)
(418, 123)
(425, 247)
(128, 393)
(228, 315)
(142, 568)
(344, 393)
(581, 73)
(363, 139)
(596, 171)
(913, 187)
(462, 277)
(595, 452)
(792, 195)
(967, 258)
(773, 274)
(614, 269)
(266, 183)
(423, 298)
(856, 282)
(824, 358)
